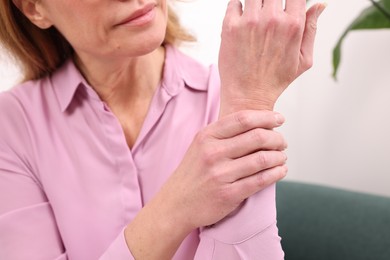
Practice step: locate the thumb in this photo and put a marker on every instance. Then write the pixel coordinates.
(309, 34)
(233, 11)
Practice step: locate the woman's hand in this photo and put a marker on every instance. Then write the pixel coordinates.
(264, 48)
(227, 162)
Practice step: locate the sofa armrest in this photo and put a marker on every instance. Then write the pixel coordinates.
(317, 222)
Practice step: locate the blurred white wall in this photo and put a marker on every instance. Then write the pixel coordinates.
(9, 73)
(338, 132)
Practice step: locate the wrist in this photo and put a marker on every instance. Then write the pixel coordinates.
(229, 106)
(234, 99)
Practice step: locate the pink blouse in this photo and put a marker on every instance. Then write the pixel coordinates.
(69, 184)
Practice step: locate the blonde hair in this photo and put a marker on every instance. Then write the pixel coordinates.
(40, 52)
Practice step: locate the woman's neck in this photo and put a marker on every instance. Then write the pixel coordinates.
(127, 87)
(124, 81)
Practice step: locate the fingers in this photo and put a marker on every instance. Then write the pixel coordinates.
(252, 6)
(255, 5)
(248, 186)
(234, 9)
(243, 121)
(296, 7)
(254, 163)
(273, 4)
(309, 34)
(252, 141)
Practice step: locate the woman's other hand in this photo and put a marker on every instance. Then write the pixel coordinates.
(264, 48)
(227, 162)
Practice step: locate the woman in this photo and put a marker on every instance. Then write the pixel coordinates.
(118, 146)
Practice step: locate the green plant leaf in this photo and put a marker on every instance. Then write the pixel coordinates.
(370, 18)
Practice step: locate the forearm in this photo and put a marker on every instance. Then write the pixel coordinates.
(156, 232)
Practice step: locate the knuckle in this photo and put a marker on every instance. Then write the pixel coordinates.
(260, 180)
(295, 25)
(209, 151)
(243, 119)
(252, 21)
(211, 154)
(273, 21)
(262, 159)
(218, 175)
(259, 135)
(226, 195)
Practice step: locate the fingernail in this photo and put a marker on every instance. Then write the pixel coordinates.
(279, 119)
(321, 7)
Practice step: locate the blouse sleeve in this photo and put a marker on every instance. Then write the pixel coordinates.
(118, 249)
(28, 229)
(27, 226)
(248, 233)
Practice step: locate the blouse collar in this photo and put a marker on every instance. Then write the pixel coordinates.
(180, 71)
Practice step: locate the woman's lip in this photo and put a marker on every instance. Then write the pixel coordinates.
(139, 17)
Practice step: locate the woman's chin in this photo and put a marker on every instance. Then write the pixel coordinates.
(146, 47)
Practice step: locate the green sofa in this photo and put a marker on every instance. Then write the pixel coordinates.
(323, 223)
